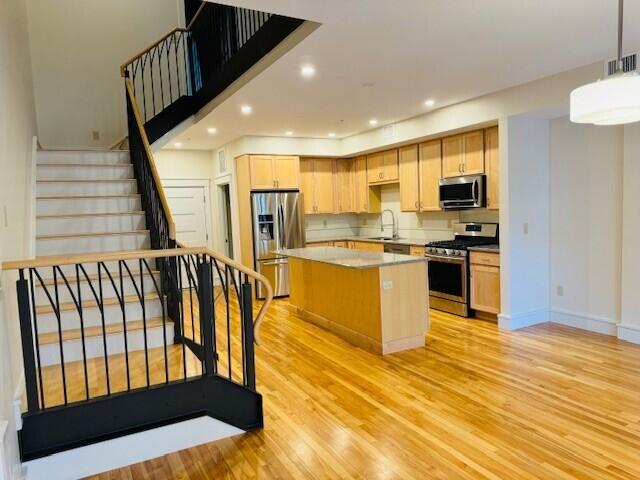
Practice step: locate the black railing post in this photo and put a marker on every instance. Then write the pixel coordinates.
(28, 354)
(206, 315)
(247, 323)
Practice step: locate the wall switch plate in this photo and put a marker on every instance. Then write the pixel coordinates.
(387, 284)
(95, 135)
(5, 216)
(525, 228)
(324, 223)
(560, 290)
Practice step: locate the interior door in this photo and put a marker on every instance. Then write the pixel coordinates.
(188, 208)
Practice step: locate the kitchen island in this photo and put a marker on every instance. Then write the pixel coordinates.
(375, 300)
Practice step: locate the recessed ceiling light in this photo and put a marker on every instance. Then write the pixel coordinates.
(177, 144)
(332, 134)
(246, 109)
(429, 103)
(307, 71)
(288, 133)
(212, 130)
(373, 122)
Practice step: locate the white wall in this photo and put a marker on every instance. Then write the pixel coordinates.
(586, 165)
(524, 221)
(77, 47)
(17, 128)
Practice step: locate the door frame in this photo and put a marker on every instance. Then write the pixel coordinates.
(203, 183)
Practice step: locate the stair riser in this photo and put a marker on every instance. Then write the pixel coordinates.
(72, 349)
(83, 157)
(85, 289)
(46, 189)
(87, 205)
(70, 319)
(94, 224)
(105, 243)
(45, 172)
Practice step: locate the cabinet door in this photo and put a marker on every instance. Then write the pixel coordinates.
(369, 246)
(344, 186)
(473, 153)
(366, 198)
(430, 174)
(485, 288)
(416, 251)
(390, 165)
(261, 167)
(409, 179)
(286, 171)
(452, 156)
(492, 167)
(323, 185)
(375, 167)
(306, 185)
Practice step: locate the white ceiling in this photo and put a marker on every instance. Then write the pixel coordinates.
(410, 50)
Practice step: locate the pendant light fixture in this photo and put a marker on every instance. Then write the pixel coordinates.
(612, 101)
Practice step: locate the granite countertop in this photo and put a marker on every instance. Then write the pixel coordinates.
(486, 248)
(347, 257)
(397, 241)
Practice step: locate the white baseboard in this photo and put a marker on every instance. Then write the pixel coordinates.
(120, 452)
(591, 323)
(521, 320)
(630, 333)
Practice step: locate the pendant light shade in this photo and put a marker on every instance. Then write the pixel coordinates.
(613, 101)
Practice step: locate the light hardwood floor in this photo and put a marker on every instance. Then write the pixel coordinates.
(545, 402)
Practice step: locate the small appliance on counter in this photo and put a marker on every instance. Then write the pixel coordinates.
(278, 223)
(448, 266)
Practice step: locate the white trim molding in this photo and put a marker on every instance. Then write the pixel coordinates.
(4, 466)
(521, 320)
(592, 323)
(629, 332)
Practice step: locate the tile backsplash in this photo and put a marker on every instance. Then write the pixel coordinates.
(427, 226)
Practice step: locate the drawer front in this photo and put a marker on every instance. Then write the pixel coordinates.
(340, 243)
(319, 244)
(484, 258)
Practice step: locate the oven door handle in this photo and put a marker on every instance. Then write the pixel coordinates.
(441, 258)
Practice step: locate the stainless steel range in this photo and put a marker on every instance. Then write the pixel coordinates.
(448, 266)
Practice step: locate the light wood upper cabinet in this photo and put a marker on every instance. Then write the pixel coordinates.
(473, 153)
(492, 166)
(430, 162)
(463, 154)
(274, 172)
(366, 198)
(345, 192)
(318, 185)
(409, 179)
(382, 167)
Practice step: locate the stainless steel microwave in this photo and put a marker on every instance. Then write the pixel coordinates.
(467, 191)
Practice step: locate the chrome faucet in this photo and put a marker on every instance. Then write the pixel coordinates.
(394, 223)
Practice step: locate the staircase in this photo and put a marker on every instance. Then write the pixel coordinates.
(86, 202)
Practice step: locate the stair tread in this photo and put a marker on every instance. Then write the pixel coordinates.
(96, 234)
(79, 197)
(76, 333)
(69, 306)
(81, 150)
(97, 214)
(93, 277)
(86, 164)
(115, 180)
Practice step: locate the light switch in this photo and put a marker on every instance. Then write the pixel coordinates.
(387, 284)
(525, 228)
(560, 290)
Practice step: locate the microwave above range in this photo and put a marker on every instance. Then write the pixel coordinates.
(467, 191)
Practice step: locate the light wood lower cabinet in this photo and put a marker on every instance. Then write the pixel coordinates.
(320, 244)
(370, 246)
(416, 250)
(485, 282)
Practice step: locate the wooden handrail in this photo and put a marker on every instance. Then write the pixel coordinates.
(152, 163)
(60, 260)
(124, 66)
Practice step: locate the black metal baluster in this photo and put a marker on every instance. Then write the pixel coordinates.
(84, 345)
(104, 328)
(182, 314)
(206, 315)
(248, 337)
(35, 336)
(226, 269)
(123, 307)
(144, 321)
(26, 335)
(213, 319)
(59, 318)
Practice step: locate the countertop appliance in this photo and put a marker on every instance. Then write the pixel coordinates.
(448, 266)
(278, 223)
(467, 191)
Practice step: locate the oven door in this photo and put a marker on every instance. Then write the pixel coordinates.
(463, 192)
(448, 277)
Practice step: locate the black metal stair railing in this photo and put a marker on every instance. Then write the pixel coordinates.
(189, 67)
(84, 359)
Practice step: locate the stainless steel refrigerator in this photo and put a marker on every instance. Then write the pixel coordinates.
(278, 222)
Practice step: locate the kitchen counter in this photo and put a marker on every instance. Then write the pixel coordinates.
(397, 241)
(486, 248)
(347, 257)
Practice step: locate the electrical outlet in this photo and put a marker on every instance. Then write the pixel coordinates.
(525, 228)
(387, 284)
(324, 223)
(95, 135)
(560, 290)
